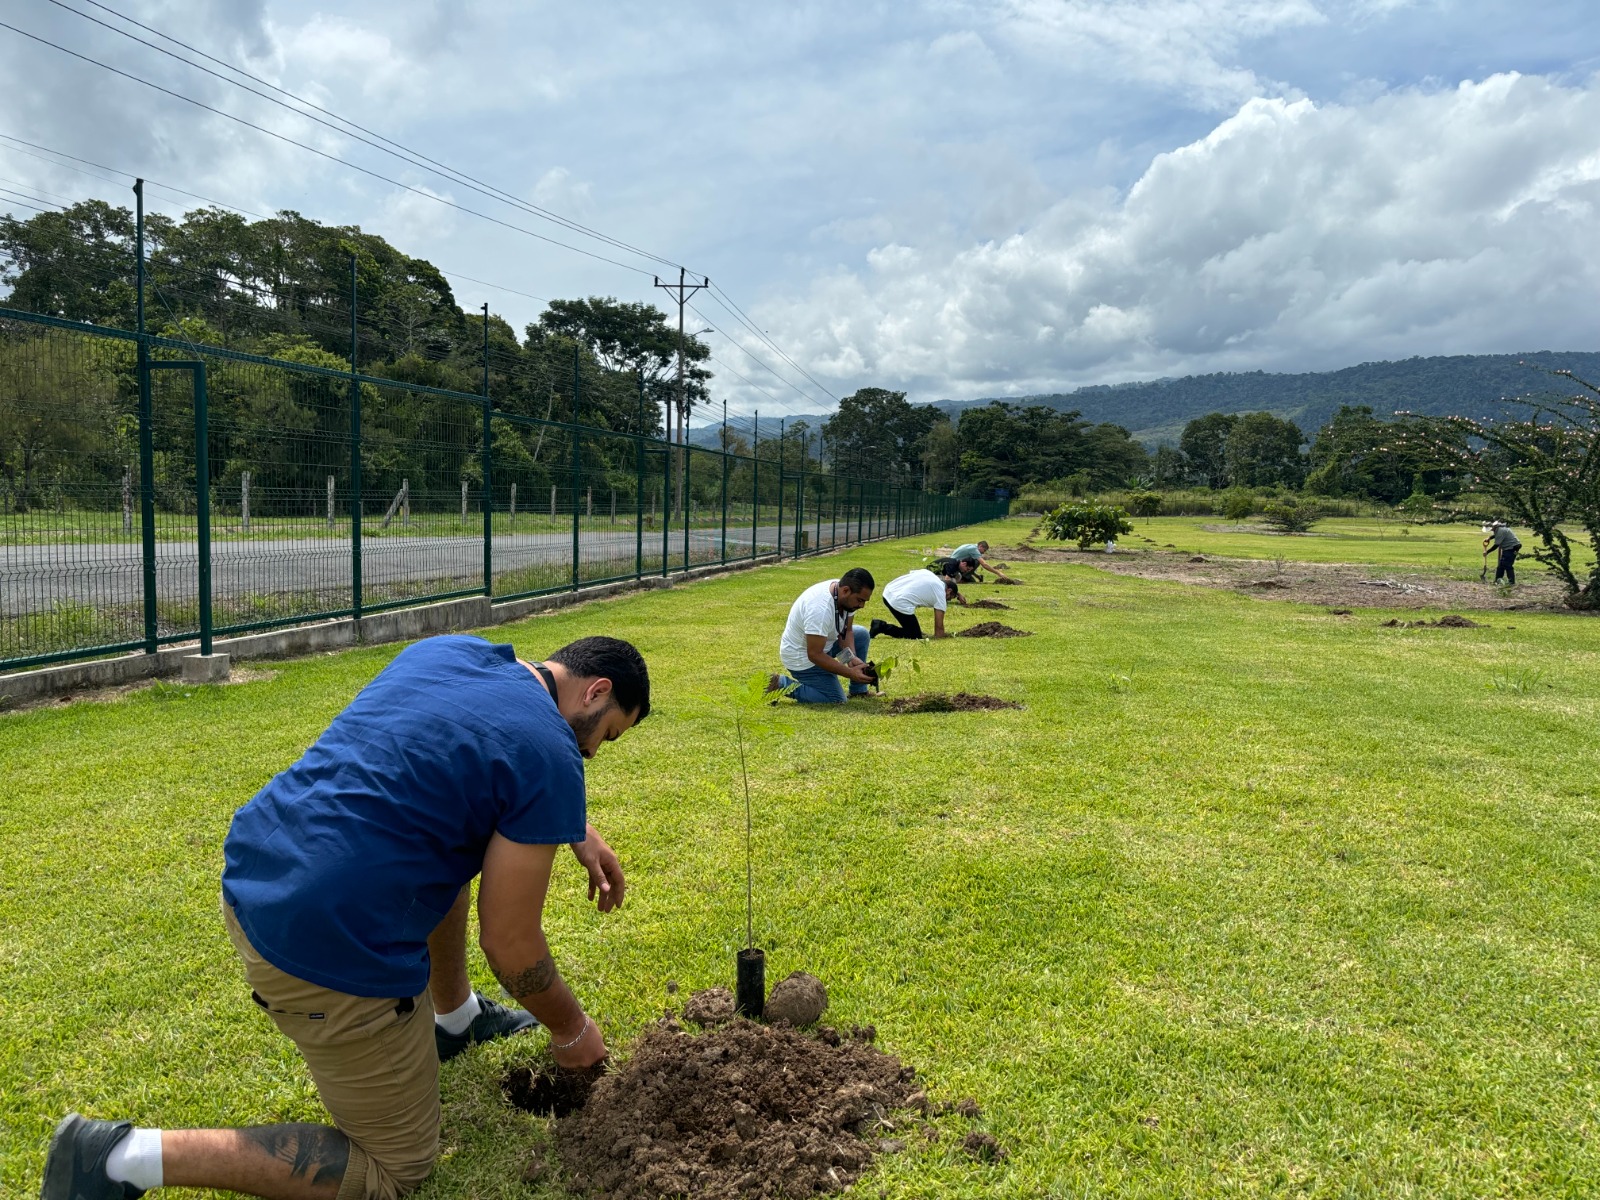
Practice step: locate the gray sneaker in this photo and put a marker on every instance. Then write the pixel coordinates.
(76, 1166)
(495, 1021)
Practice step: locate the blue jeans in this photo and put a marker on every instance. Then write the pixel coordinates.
(823, 687)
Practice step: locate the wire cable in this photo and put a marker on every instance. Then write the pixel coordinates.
(334, 158)
(399, 150)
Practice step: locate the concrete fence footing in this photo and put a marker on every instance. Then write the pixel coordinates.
(395, 625)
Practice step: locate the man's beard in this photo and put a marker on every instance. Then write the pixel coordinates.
(583, 726)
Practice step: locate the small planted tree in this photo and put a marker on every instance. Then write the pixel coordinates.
(1145, 504)
(1291, 516)
(754, 716)
(1541, 472)
(1086, 524)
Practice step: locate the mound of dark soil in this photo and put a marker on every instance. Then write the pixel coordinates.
(709, 1006)
(993, 629)
(1006, 582)
(930, 702)
(744, 1110)
(1446, 622)
(988, 604)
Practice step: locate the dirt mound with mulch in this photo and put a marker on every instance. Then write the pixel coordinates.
(742, 1110)
(993, 629)
(988, 604)
(1452, 621)
(931, 702)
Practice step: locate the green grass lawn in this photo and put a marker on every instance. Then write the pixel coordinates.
(1248, 900)
(1456, 548)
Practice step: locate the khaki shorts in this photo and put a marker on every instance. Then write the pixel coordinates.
(375, 1065)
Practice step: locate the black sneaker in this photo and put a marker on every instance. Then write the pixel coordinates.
(495, 1021)
(874, 628)
(76, 1166)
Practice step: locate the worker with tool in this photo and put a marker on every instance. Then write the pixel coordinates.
(969, 558)
(1500, 538)
(345, 891)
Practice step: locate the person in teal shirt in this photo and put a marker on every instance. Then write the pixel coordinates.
(970, 558)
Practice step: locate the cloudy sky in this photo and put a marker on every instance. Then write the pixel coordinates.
(953, 198)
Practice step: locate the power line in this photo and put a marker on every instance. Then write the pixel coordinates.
(319, 153)
(722, 298)
(404, 153)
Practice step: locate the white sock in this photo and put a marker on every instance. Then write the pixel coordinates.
(456, 1021)
(136, 1159)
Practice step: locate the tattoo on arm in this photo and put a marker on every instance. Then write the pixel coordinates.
(531, 980)
(314, 1152)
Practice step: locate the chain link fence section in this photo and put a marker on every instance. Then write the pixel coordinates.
(328, 493)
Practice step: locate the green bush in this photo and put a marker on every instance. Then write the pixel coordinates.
(1237, 504)
(1086, 524)
(1292, 516)
(1145, 504)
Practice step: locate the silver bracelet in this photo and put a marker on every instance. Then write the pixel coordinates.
(574, 1041)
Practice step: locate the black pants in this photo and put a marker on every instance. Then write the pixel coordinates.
(905, 625)
(1507, 566)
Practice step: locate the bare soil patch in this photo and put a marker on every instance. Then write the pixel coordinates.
(992, 629)
(121, 691)
(1338, 585)
(743, 1110)
(1451, 621)
(932, 702)
(988, 604)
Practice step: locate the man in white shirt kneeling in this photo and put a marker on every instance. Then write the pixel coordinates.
(916, 589)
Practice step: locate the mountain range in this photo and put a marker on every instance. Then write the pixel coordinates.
(1474, 385)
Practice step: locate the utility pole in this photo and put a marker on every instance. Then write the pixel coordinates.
(681, 291)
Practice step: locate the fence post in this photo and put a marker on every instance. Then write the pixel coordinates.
(552, 501)
(355, 457)
(638, 491)
(666, 506)
(685, 501)
(780, 488)
(577, 463)
(244, 500)
(147, 450)
(800, 501)
(488, 465)
(724, 498)
(202, 496)
(755, 489)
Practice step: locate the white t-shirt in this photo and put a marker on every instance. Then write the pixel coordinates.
(815, 613)
(914, 590)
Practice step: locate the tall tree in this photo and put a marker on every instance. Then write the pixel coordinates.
(1204, 443)
(879, 433)
(1263, 449)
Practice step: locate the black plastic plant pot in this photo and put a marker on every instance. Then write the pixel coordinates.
(750, 998)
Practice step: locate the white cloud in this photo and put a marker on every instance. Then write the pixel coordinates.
(1292, 236)
(558, 191)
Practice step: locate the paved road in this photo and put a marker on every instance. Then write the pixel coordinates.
(109, 575)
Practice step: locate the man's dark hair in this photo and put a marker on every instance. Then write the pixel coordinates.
(614, 659)
(858, 579)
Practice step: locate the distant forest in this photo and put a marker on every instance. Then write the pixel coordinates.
(1468, 385)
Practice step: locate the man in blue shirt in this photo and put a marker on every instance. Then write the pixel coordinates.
(345, 892)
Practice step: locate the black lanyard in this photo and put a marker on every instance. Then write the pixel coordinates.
(549, 683)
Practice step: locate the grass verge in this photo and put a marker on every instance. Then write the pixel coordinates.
(1246, 900)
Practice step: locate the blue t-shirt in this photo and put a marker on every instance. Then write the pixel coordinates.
(342, 865)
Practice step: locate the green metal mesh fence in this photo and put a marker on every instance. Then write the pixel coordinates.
(327, 493)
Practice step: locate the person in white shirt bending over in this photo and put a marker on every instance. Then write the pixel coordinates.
(913, 590)
(821, 643)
